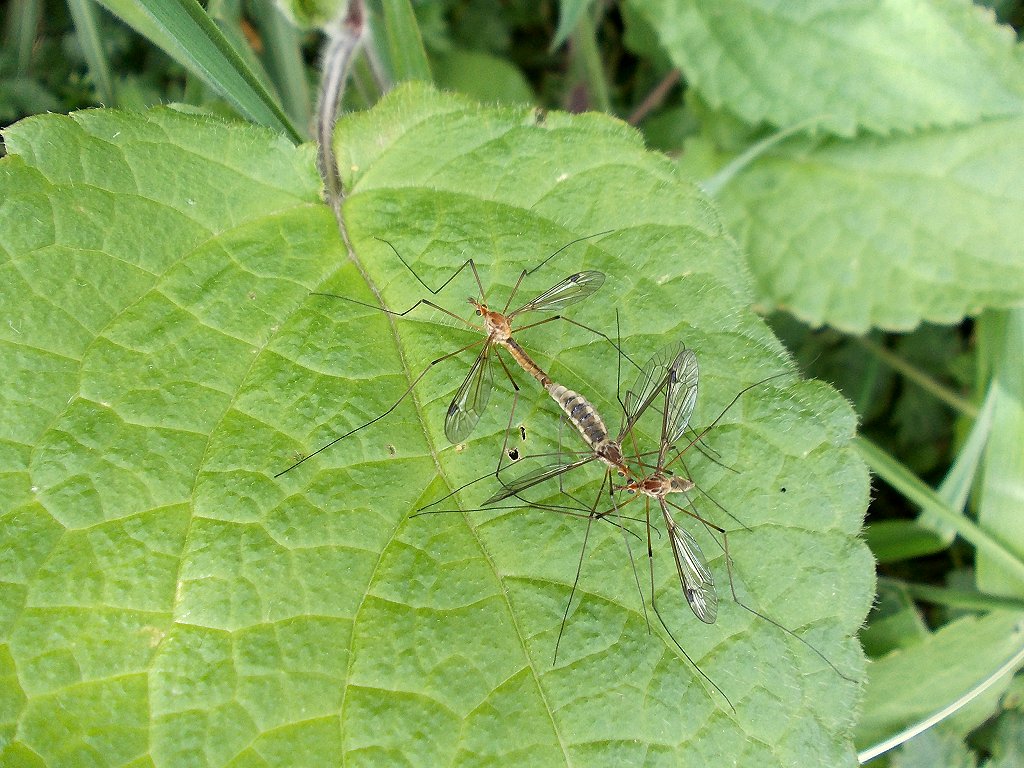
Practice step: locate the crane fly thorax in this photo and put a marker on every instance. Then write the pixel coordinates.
(497, 325)
(656, 485)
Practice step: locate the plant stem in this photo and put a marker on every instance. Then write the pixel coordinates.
(923, 380)
(589, 59)
(916, 491)
(954, 598)
(656, 97)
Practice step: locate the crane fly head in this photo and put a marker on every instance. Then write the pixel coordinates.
(495, 323)
(631, 487)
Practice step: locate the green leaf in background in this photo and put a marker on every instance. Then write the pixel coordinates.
(1008, 744)
(934, 747)
(482, 76)
(313, 14)
(875, 65)
(569, 13)
(165, 600)
(911, 683)
(881, 232)
(896, 622)
(405, 45)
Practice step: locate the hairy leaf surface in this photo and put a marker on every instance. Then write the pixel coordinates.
(165, 600)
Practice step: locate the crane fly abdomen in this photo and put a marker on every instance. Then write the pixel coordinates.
(526, 362)
(581, 413)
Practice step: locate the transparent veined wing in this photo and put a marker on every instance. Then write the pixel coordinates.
(682, 394)
(650, 382)
(574, 288)
(471, 399)
(694, 574)
(535, 477)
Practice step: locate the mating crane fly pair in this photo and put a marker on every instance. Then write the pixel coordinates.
(668, 382)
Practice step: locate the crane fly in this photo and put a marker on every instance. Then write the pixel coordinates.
(497, 328)
(661, 373)
(695, 577)
(672, 373)
(472, 396)
(583, 415)
(586, 419)
(681, 378)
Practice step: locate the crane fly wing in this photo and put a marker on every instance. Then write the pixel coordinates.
(649, 382)
(574, 288)
(471, 399)
(530, 479)
(682, 394)
(694, 574)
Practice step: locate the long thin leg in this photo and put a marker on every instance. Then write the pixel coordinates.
(708, 450)
(391, 312)
(435, 291)
(616, 344)
(591, 517)
(701, 446)
(511, 415)
(732, 588)
(616, 509)
(464, 486)
(571, 242)
(732, 402)
(565, 319)
(425, 509)
(575, 583)
(654, 606)
(514, 291)
(389, 410)
(712, 499)
(504, 443)
(570, 512)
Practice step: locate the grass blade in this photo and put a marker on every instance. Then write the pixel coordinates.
(405, 46)
(185, 31)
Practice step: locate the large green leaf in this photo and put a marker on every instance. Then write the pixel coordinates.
(165, 600)
(876, 65)
(881, 232)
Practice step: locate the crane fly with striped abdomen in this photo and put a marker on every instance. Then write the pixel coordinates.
(497, 328)
(660, 373)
